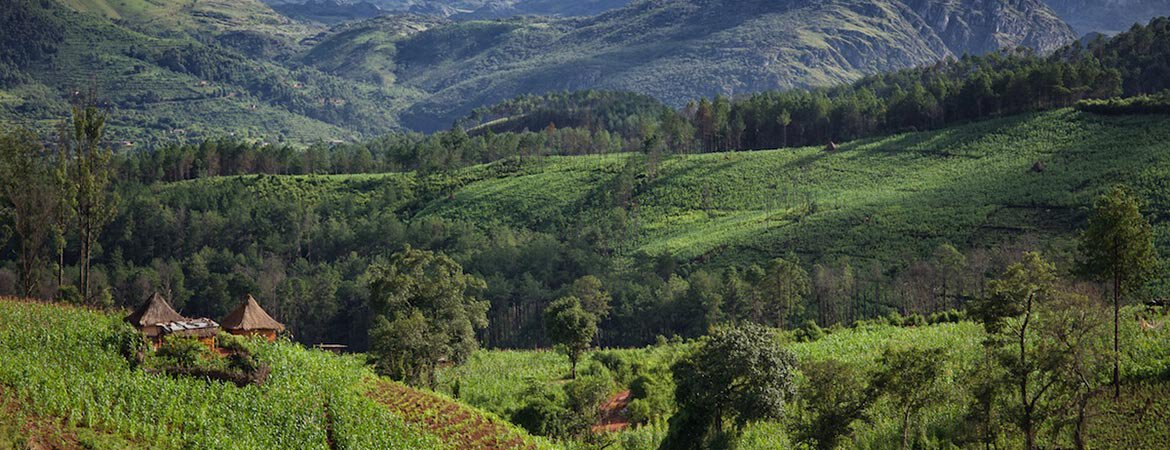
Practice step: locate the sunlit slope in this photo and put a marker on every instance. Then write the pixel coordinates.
(891, 199)
(884, 198)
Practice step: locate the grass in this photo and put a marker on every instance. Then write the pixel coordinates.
(61, 368)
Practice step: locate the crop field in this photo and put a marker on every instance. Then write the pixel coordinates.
(63, 365)
(455, 424)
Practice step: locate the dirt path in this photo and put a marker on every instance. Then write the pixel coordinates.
(613, 414)
(454, 424)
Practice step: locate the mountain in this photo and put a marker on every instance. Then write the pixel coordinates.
(191, 70)
(679, 50)
(329, 11)
(168, 70)
(332, 11)
(1107, 16)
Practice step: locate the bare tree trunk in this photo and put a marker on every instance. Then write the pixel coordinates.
(1079, 431)
(1116, 334)
(1029, 433)
(906, 429)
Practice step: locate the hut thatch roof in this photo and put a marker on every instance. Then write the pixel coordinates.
(154, 311)
(250, 316)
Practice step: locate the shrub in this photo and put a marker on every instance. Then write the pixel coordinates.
(809, 332)
(586, 395)
(618, 363)
(653, 397)
(183, 352)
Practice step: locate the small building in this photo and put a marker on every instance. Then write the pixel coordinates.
(249, 319)
(203, 330)
(332, 348)
(150, 317)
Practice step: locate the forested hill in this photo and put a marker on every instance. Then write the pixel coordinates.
(872, 223)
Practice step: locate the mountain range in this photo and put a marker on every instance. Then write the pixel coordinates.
(679, 50)
(175, 69)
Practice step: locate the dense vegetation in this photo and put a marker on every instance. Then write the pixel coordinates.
(909, 223)
(872, 366)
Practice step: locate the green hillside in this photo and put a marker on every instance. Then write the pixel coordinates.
(874, 213)
(64, 383)
(882, 199)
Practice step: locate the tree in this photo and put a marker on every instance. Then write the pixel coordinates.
(425, 309)
(593, 296)
(910, 378)
(29, 190)
(784, 119)
(1119, 246)
(90, 174)
(784, 287)
(737, 376)
(570, 327)
(834, 396)
(1022, 300)
(1077, 327)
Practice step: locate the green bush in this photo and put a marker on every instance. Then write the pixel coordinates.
(653, 397)
(587, 394)
(183, 352)
(809, 332)
(620, 364)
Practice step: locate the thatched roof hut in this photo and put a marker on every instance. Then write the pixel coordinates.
(250, 319)
(154, 312)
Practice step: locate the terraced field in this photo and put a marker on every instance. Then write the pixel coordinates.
(457, 425)
(64, 384)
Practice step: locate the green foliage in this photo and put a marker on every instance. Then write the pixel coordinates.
(1118, 245)
(738, 375)
(912, 380)
(30, 192)
(1140, 104)
(183, 352)
(425, 310)
(570, 327)
(785, 286)
(833, 396)
(652, 395)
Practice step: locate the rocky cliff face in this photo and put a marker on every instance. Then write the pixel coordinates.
(1108, 16)
(981, 26)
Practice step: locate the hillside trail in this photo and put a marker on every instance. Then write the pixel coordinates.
(457, 425)
(613, 414)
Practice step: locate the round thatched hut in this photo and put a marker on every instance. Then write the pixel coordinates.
(150, 317)
(249, 319)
